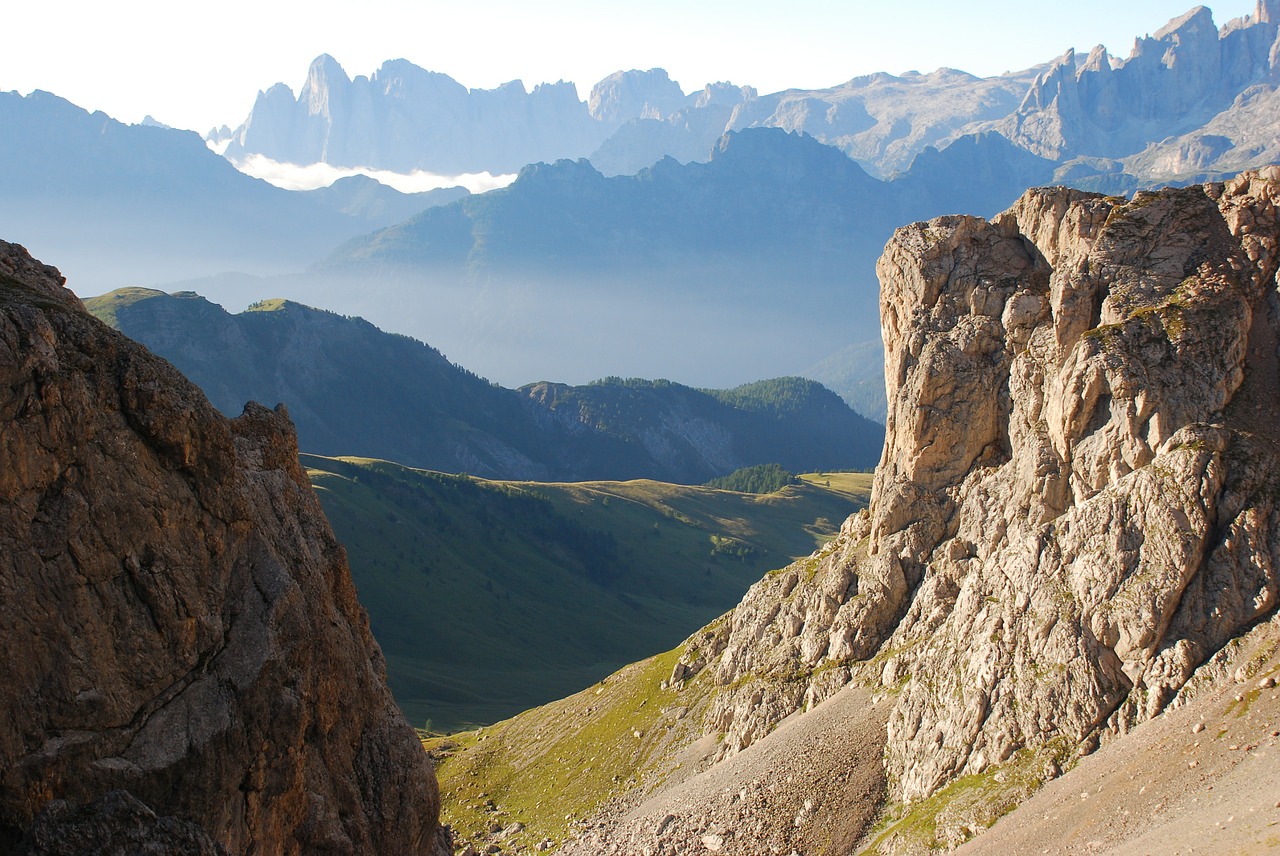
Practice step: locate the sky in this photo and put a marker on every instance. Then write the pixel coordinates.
(200, 65)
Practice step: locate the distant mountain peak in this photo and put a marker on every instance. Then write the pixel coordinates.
(325, 64)
(633, 94)
(1199, 17)
(1174, 81)
(404, 118)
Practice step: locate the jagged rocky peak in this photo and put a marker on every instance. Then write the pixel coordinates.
(1077, 502)
(723, 94)
(179, 621)
(325, 80)
(635, 94)
(404, 118)
(399, 77)
(1175, 80)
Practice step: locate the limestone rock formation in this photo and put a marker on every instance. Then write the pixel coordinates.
(1174, 81)
(634, 94)
(1076, 506)
(177, 618)
(1239, 137)
(115, 824)
(1188, 76)
(404, 118)
(880, 120)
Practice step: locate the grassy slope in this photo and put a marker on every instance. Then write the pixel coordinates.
(550, 587)
(553, 766)
(106, 306)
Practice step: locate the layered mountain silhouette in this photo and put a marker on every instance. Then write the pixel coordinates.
(680, 250)
(352, 389)
(120, 203)
(714, 273)
(717, 272)
(1188, 75)
(404, 118)
(730, 257)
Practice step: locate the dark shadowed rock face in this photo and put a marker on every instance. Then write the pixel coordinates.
(116, 824)
(176, 617)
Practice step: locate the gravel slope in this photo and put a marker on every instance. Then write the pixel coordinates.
(811, 786)
(1204, 778)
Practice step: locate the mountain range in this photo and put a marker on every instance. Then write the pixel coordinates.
(714, 272)
(1055, 625)
(123, 204)
(565, 271)
(403, 118)
(352, 389)
(1188, 75)
(681, 268)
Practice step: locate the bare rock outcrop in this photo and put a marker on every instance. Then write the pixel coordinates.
(177, 619)
(1077, 503)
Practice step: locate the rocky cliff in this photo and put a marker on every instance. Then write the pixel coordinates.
(1076, 509)
(178, 620)
(1076, 503)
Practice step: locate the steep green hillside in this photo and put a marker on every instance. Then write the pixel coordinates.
(489, 598)
(790, 421)
(353, 389)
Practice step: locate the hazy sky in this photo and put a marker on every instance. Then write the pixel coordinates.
(197, 65)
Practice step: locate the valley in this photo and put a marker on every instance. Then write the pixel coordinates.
(885, 468)
(587, 576)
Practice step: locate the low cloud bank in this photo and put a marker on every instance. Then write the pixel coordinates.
(311, 176)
